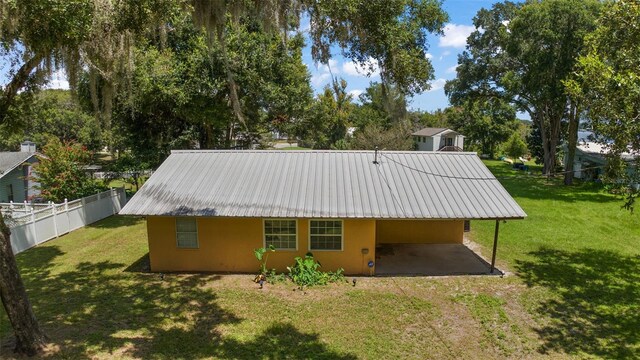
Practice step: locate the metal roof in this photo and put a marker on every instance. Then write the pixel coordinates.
(11, 160)
(324, 184)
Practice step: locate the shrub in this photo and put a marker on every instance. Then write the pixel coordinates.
(306, 272)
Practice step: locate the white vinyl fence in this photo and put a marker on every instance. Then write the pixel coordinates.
(32, 224)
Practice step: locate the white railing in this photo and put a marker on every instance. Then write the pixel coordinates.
(32, 224)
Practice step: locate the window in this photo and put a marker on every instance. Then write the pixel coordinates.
(187, 233)
(325, 235)
(10, 192)
(281, 233)
(449, 141)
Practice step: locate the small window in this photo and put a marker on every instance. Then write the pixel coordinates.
(325, 235)
(187, 233)
(10, 192)
(281, 233)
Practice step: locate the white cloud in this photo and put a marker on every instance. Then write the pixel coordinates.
(58, 80)
(428, 56)
(355, 93)
(354, 69)
(319, 79)
(445, 54)
(452, 69)
(323, 72)
(332, 65)
(437, 85)
(455, 35)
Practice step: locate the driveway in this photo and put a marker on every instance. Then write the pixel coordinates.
(429, 259)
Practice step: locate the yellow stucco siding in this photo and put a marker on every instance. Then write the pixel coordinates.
(227, 244)
(419, 231)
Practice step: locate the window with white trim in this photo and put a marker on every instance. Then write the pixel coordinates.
(325, 235)
(186, 233)
(281, 233)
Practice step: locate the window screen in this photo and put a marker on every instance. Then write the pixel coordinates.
(187, 233)
(281, 234)
(325, 234)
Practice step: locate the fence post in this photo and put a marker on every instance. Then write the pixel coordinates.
(34, 227)
(83, 206)
(55, 218)
(25, 207)
(66, 211)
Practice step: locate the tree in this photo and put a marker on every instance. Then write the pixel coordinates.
(52, 113)
(61, 172)
(329, 117)
(515, 147)
(372, 136)
(485, 122)
(522, 54)
(96, 40)
(608, 83)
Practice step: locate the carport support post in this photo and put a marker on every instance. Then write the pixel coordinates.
(495, 246)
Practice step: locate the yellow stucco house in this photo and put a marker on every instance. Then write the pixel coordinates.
(208, 210)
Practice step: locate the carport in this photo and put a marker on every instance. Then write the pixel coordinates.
(429, 260)
(429, 248)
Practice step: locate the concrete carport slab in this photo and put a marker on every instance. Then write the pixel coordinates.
(429, 260)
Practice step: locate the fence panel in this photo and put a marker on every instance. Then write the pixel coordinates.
(33, 224)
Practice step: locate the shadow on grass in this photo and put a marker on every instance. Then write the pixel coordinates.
(97, 307)
(280, 341)
(141, 265)
(596, 308)
(113, 309)
(116, 221)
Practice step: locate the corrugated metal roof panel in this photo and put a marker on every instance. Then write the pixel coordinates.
(324, 184)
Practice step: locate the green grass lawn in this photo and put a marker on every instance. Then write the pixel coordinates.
(574, 293)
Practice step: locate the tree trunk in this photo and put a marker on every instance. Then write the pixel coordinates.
(547, 164)
(572, 141)
(17, 82)
(29, 338)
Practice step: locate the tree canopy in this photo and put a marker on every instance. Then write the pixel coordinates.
(522, 53)
(608, 83)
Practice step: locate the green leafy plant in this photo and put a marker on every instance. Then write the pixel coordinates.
(273, 277)
(262, 254)
(306, 272)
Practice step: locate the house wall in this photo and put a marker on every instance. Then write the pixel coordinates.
(426, 145)
(227, 244)
(15, 178)
(22, 185)
(419, 231)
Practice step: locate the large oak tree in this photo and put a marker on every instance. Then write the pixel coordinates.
(523, 53)
(98, 37)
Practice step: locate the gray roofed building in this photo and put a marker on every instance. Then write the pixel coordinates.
(15, 171)
(324, 184)
(11, 160)
(429, 131)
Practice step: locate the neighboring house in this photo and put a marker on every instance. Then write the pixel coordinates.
(15, 174)
(208, 210)
(589, 160)
(438, 139)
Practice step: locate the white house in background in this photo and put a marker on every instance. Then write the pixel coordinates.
(589, 160)
(438, 139)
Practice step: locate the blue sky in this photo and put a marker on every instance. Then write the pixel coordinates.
(443, 52)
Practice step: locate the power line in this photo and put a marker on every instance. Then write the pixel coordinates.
(439, 175)
(477, 178)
